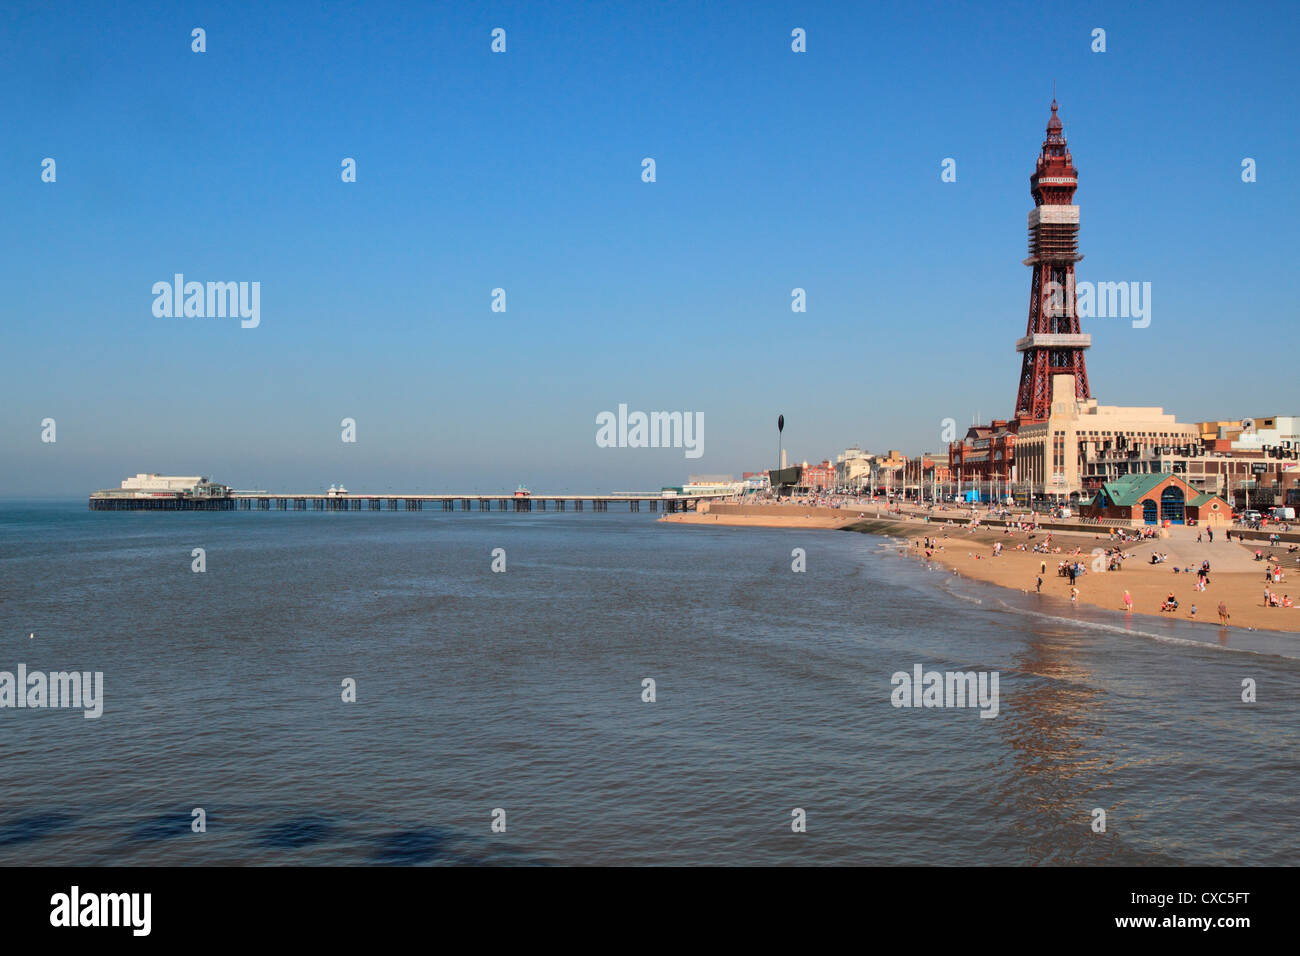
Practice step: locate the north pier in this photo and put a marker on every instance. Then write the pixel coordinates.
(152, 492)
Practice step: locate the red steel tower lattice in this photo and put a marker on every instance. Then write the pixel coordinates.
(1053, 344)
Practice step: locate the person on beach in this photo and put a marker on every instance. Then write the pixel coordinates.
(1128, 601)
(1210, 532)
(1039, 588)
(1223, 614)
(1074, 595)
(1193, 610)
(1042, 567)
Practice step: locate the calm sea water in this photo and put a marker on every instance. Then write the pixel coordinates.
(522, 690)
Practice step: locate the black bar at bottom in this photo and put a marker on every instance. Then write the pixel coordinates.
(938, 909)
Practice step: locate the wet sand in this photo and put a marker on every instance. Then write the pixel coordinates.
(774, 517)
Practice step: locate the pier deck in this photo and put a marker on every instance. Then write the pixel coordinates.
(280, 501)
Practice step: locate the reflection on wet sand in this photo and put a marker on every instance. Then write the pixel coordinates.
(1056, 726)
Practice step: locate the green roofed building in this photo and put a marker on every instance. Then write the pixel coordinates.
(1153, 499)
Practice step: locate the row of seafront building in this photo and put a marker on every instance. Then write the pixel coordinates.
(1083, 453)
(1082, 446)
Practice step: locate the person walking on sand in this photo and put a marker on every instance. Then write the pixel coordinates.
(1223, 614)
(1210, 532)
(1039, 588)
(1074, 595)
(1042, 567)
(1128, 601)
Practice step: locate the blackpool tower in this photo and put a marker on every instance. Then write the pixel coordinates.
(1053, 344)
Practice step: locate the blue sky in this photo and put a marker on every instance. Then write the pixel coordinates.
(522, 170)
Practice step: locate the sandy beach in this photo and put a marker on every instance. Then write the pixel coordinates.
(1235, 578)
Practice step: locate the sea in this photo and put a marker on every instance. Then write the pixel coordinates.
(364, 688)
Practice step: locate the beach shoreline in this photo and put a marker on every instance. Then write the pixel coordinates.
(1235, 577)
